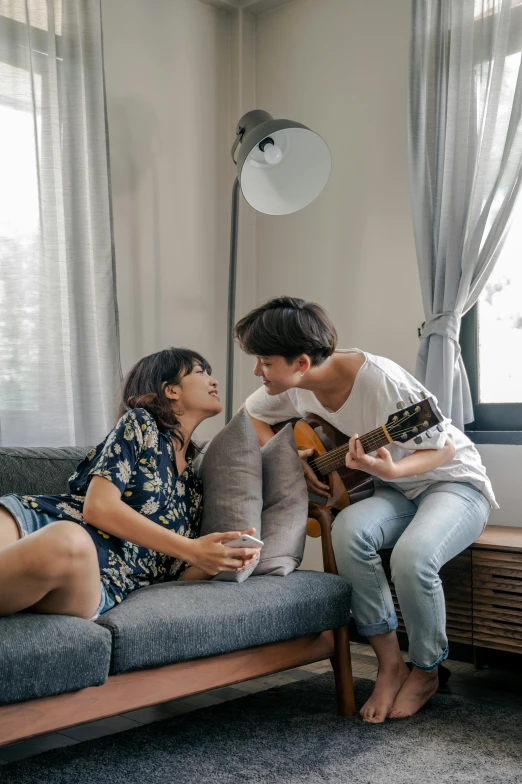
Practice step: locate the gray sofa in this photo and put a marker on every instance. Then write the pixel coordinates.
(163, 642)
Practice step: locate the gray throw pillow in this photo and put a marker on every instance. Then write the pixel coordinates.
(232, 484)
(285, 506)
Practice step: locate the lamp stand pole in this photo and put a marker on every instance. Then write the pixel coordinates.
(232, 275)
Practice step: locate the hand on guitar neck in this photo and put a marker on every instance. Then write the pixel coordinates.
(381, 465)
(340, 469)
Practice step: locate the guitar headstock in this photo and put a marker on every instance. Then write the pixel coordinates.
(413, 420)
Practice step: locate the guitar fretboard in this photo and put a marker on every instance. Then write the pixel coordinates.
(334, 459)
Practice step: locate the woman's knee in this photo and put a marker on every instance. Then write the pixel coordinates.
(350, 533)
(64, 546)
(410, 564)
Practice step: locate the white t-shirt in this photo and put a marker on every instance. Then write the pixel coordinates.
(379, 386)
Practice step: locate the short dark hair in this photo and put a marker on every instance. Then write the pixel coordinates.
(144, 385)
(288, 327)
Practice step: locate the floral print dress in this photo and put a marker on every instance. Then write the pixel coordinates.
(138, 458)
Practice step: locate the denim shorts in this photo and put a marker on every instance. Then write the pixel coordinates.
(29, 521)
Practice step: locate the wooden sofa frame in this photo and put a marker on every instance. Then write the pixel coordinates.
(142, 688)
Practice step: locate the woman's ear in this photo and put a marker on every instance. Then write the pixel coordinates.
(304, 363)
(171, 392)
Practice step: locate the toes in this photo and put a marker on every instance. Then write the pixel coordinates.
(376, 718)
(398, 714)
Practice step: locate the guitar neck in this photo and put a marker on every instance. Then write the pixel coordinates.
(335, 459)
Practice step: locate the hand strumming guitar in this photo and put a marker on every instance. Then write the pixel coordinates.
(313, 484)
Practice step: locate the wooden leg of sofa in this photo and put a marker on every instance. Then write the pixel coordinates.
(342, 665)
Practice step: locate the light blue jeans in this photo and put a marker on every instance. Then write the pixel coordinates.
(425, 533)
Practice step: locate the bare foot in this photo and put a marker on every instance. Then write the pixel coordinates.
(388, 684)
(415, 693)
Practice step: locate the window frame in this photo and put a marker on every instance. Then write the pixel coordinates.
(494, 423)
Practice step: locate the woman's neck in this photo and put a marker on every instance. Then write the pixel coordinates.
(332, 381)
(188, 423)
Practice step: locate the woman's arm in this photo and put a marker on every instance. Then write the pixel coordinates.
(104, 509)
(419, 462)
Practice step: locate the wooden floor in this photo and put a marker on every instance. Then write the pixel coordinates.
(491, 684)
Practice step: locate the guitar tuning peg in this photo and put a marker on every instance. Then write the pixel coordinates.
(400, 404)
(440, 428)
(429, 435)
(418, 440)
(411, 399)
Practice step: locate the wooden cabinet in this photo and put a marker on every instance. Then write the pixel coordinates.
(483, 590)
(497, 598)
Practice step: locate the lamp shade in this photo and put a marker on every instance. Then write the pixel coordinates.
(282, 166)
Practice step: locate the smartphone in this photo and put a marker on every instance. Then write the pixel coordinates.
(245, 541)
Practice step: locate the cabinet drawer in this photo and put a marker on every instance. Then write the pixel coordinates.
(497, 605)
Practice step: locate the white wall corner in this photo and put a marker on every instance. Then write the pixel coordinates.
(224, 5)
(262, 6)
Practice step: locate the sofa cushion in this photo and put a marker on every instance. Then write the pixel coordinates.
(175, 622)
(232, 484)
(285, 506)
(42, 655)
(38, 470)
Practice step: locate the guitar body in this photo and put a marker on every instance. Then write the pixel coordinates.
(346, 485)
(330, 446)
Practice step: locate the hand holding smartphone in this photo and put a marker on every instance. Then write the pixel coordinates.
(245, 540)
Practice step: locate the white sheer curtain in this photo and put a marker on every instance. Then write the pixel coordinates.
(59, 346)
(466, 169)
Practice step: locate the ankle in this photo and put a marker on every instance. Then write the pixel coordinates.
(392, 668)
(432, 675)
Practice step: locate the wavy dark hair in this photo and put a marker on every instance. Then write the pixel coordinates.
(144, 386)
(288, 327)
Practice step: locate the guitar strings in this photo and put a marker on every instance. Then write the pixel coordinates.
(330, 461)
(369, 443)
(371, 438)
(327, 462)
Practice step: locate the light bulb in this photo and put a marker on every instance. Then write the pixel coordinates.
(272, 153)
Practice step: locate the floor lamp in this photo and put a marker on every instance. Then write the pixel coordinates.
(282, 166)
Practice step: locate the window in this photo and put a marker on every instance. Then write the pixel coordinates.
(59, 363)
(21, 93)
(491, 335)
(19, 239)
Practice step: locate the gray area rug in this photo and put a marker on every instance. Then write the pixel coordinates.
(292, 734)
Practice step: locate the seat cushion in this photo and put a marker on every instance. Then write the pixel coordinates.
(42, 655)
(175, 622)
(38, 470)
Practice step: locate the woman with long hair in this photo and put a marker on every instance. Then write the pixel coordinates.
(132, 514)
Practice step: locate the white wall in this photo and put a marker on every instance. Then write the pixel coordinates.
(168, 91)
(179, 75)
(341, 67)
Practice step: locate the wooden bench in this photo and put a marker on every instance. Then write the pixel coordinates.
(482, 586)
(483, 590)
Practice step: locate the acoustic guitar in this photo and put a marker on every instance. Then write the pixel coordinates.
(347, 486)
